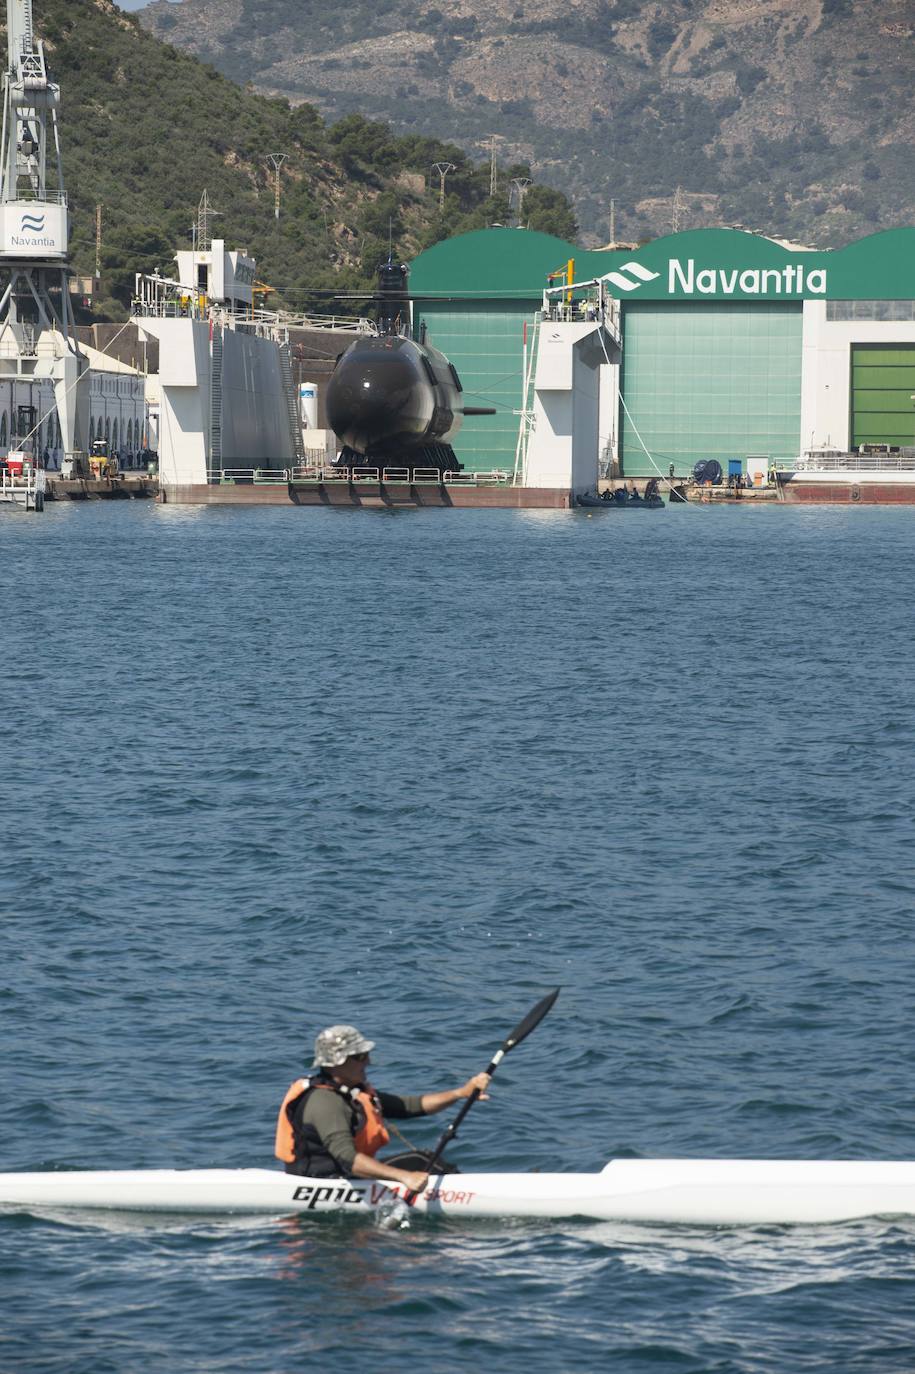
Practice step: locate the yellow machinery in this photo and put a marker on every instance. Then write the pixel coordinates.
(102, 462)
(260, 291)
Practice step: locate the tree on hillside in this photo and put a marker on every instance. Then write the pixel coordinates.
(550, 212)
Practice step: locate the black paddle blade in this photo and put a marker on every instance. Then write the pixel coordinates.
(531, 1021)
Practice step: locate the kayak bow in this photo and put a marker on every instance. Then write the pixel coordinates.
(706, 1192)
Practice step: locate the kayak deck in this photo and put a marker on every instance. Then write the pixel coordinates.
(680, 1191)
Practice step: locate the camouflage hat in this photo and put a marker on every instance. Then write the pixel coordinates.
(335, 1045)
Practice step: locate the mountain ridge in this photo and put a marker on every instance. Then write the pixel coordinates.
(145, 128)
(791, 116)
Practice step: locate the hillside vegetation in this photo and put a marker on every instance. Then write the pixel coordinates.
(145, 128)
(788, 116)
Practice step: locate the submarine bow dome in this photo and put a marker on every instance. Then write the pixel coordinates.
(390, 395)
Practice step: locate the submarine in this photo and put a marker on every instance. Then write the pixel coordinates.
(392, 401)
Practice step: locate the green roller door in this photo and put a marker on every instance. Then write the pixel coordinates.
(485, 343)
(713, 380)
(883, 395)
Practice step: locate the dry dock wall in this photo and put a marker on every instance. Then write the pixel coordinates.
(254, 416)
(244, 393)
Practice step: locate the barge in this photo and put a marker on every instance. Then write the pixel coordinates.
(831, 476)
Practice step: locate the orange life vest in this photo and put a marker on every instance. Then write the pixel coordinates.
(370, 1133)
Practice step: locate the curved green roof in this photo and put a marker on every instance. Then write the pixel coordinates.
(513, 264)
(490, 263)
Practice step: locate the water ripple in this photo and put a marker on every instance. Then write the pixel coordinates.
(287, 768)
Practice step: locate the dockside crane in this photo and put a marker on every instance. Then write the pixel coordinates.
(37, 333)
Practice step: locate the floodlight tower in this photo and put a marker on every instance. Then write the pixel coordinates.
(37, 336)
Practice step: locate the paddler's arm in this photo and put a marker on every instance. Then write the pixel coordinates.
(400, 1108)
(434, 1102)
(364, 1166)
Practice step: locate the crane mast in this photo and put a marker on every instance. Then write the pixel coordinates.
(29, 116)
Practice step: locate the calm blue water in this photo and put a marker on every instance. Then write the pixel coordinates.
(267, 770)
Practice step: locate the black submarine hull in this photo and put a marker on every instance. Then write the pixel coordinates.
(394, 402)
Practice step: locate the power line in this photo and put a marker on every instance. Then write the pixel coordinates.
(276, 160)
(443, 168)
(205, 212)
(493, 165)
(521, 184)
(677, 211)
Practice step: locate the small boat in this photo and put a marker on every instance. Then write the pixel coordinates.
(698, 1192)
(621, 499)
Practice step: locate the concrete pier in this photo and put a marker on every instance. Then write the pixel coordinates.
(101, 488)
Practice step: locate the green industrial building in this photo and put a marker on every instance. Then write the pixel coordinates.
(733, 344)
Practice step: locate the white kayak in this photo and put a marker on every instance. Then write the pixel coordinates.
(707, 1192)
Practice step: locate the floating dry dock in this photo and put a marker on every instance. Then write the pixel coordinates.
(342, 488)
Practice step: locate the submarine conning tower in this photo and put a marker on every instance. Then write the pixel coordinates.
(393, 298)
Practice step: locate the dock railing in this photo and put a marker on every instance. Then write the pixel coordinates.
(165, 298)
(26, 489)
(582, 302)
(836, 461)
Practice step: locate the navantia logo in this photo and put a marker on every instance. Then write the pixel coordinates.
(684, 279)
(623, 279)
(35, 223)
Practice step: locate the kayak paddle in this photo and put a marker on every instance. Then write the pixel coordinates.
(521, 1032)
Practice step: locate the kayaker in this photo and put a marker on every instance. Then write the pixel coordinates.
(332, 1124)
